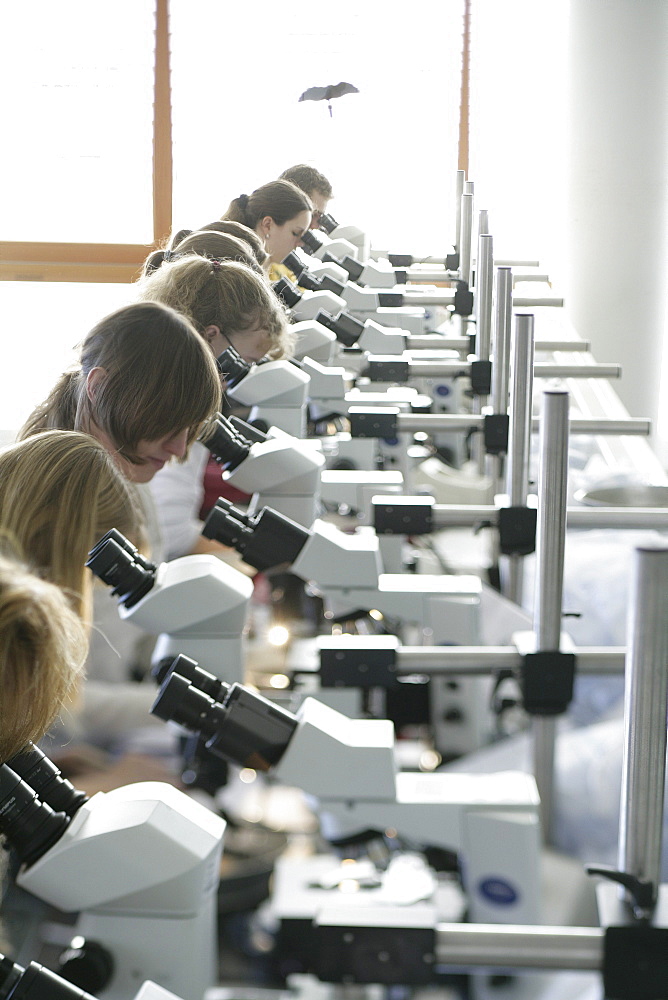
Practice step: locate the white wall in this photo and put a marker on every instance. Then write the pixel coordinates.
(617, 232)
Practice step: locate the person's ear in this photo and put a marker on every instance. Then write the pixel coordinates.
(265, 225)
(96, 377)
(210, 333)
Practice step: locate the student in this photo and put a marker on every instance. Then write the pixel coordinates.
(314, 184)
(280, 213)
(144, 386)
(42, 652)
(60, 492)
(242, 233)
(211, 244)
(228, 304)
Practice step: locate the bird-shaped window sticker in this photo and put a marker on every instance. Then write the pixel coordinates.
(328, 93)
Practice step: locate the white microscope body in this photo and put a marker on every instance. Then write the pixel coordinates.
(140, 865)
(491, 821)
(198, 604)
(276, 393)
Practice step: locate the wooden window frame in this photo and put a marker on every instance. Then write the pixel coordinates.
(111, 262)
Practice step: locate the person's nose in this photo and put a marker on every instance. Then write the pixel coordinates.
(177, 444)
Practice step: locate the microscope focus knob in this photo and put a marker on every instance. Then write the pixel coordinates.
(87, 964)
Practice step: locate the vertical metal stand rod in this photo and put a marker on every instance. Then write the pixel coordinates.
(503, 309)
(484, 276)
(501, 319)
(459, 191)
(483, 296)
(550, 546)
(466, 226)
(483, 222)
(519, 436)
(646, 704)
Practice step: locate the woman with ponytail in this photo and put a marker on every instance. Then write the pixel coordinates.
(280, 213)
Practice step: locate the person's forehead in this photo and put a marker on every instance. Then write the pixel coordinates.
(319, 201)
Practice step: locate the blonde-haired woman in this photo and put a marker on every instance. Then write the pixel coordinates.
(207, 243)
(144, 386)
(60, 492)
(226, 301)
(42, 652)
(229, 305)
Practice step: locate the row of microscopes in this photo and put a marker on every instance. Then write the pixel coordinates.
(140, 865)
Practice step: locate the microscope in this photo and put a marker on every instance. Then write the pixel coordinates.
(352, 234)
(197, 603)
(278, 469)
(36, 982)
(491, 821)
(139, 864)
(275, 391)
(347, 571)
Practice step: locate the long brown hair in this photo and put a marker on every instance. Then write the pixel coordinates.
(280, 200)
(160, 378)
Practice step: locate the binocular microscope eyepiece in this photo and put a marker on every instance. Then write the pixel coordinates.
(120, 565)
(35, 983)
(236, 724)
(36, 803)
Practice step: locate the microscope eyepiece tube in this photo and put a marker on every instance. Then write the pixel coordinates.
(248, 431)
(46, 780)
(345, 327)
(246, 729)
(198, 677)
(287, 292)
(35, 983)
(179, 701)
(353, 267)
(30, 825)
(116, 562)
(227, 445)
(312, 242)
(327, 223)
(10, 974)
(254, 732)
(232, 366)
(265, 540)
(294, 263)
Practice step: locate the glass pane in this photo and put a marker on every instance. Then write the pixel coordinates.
(42, 323)
(518, 154)
(77, 111)
(390, 151)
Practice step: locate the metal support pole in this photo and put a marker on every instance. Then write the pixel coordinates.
(503, 310)
(646, 704)
(550, 546)
(466, 226)
(517, 947)
(483, 222)
(483, 297)
(433, 423)
(519, 436)
(459, 191)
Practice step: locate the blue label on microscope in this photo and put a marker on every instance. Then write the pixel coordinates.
(496, 890)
